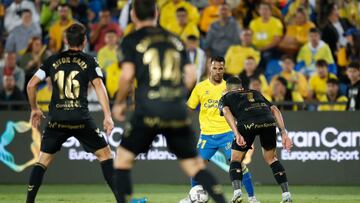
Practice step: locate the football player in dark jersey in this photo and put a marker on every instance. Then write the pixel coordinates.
(70, 73)
(157, 60)
(249, 114)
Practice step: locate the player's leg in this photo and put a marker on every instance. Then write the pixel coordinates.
(137, 139)
(206, 149)
(94, 142)
(182, 142)
(268, 143)
(50, 144)
(225, 144)
(238, 172)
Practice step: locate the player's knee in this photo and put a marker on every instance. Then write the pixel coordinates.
(124, 159)
(237, 156)
(103, 154)
(270, 156)
(45, 159)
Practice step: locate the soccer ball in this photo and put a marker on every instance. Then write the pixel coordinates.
(197, 194)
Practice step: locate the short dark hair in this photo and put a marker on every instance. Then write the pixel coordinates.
(250, 58)
(333, 81)
(354, 65)
(284, 57)
(75, 35)
(321, 63)
(255, 79)
(315, 30)
(25, 10)
(181, 9)
(283, 81)
(192, 38)
(144, 9)
(217, 59)
(234, 81)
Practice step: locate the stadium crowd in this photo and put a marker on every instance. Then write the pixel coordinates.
(293, 51)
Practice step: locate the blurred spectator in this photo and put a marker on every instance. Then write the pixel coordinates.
(98, 30)
(245, 12)
(56, 30)
(350, 10)
(282, 94)
(33, 57)
(107, 55)
(353, 73)
(333, 32)
(333, 95)
(251, 71)
(43, 95)
(275, 11)
(293, 9)
(313, 51)
(13, 13)
(210, 15)
(296, 81)
(93, 99)
(201, 4)
(196, 56)
(20, 36)
(113, 73)
(183, 27)
(49, 14)
(10, 68)
(267, 32)
(352, 50)
(10, 92)
(79, 10)
(222, 33)
(318, 81)
(237, 54)
(168, 13)
(297, 33)
(256, 84)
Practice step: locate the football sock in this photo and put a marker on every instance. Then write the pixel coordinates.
(280, 175)
(108, 173)
(123, 186)
(35, 181)
(247, 181)
(194, 182)
(235, 174)
(209, 183)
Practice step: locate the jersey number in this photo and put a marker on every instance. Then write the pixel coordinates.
(72, 86)
(171, 66)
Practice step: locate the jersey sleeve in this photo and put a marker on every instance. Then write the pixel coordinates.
(45, 66)
(94, 70)
(194, 99)
(127, 52)
(221, 106)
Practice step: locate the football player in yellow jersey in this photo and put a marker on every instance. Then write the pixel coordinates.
(215, 132)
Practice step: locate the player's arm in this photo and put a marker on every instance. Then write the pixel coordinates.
(125, 84)
(104, 102)
(190, 76)
(36, 114)
(286, 141)
(231, 121)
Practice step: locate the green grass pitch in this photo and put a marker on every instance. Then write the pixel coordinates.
(173, 193)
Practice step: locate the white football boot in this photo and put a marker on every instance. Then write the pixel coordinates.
(286, 197)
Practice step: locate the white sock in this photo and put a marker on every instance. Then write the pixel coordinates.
(237, 191)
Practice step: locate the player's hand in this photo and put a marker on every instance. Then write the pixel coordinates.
(35, 117)
(286, 141)
(118, 111)
(108, 125)
(240, 141)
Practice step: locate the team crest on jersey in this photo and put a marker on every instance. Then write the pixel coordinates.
(207, 92)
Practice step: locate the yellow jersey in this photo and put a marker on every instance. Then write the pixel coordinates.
(264, 33)
(333, 107)
(235, 58)
(208, 95)
(106, 57)
(318, 85)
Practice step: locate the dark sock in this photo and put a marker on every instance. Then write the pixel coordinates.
(235, 174)
(209, 183)
(280, 175)
(35, 181)
(122, 181)
(108, 173)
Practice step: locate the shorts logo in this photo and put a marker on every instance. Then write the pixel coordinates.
(248, 127)
(97, 130)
